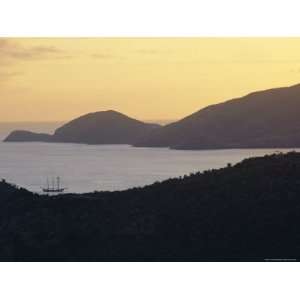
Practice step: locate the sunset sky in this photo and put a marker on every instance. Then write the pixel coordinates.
(149, 79)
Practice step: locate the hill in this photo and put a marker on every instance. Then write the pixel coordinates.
(246, 212)
(264, 119)
(104, 127)
(28, 136)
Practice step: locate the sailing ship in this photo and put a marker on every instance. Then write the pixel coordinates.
(55, 186)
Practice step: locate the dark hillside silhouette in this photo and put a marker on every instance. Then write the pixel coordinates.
(104, 127)
(246, 212)
(28, 136)
(264, 119)
(107, 127)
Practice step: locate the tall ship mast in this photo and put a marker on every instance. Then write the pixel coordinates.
(55, 187)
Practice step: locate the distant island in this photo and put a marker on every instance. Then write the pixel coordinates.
(28, 136)
(246, 212)
(104, 127)
(264, 119)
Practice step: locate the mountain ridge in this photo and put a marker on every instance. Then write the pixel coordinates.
(260, 119)
(252, 121)
(245, 212)
(101, 127)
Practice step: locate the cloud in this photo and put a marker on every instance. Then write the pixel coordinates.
(295, 70)
(109, 56)
(104, 56)
(147, 51)
(7, 75)
(153, 51)
(11, 50)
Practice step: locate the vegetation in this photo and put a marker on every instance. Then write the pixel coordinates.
(246, 212)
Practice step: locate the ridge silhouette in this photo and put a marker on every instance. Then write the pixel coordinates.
(246, 212)
(263, 119)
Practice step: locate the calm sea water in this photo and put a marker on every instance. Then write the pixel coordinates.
(86, 168)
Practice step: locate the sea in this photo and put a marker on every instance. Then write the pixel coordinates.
(88, 168)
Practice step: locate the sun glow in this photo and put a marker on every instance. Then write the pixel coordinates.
(147, 78)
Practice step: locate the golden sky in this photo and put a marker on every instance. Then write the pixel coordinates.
(147, 78)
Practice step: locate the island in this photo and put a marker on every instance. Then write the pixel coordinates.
(104, 127)
(28, 136)
(263, 119)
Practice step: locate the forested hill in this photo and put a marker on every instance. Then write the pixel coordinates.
(262, 119)
(246, 212)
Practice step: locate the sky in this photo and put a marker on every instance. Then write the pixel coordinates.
(58, 79)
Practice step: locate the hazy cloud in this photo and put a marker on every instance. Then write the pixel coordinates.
(107, 55)
(7, 75)
(153, 51)
(147, 51)
(11, 50)
(104, 56)
(295, 70)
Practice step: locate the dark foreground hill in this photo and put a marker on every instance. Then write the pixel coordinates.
(104, 127)
(248, 212)
(264, 119)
